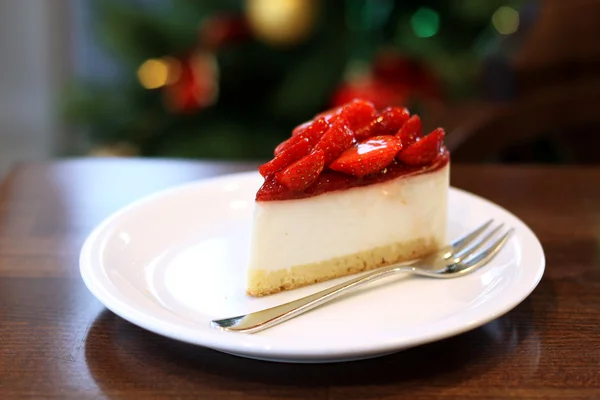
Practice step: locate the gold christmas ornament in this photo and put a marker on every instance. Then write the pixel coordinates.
(282, 22)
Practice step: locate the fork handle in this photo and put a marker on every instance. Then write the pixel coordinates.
(259, 320)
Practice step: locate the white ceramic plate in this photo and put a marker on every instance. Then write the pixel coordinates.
(174, 261)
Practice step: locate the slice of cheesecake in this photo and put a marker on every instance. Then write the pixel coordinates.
(353, 190)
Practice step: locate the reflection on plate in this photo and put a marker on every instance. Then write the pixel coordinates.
(174, 261)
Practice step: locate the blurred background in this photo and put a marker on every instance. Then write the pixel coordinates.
(510, 80)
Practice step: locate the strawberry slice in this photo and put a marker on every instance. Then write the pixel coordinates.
(313, 133)
(301, 128)
(286, 157)
(411, 131)
(424, 150)
(329, 114)
(337, 139)
(359, 113)
(390, 120)
(270, 190)
(386, 123)
(368, 157)
(302, 173)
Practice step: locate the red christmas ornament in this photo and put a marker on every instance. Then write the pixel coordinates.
(393, 80)
(374, 90)
(195, 85)
(405, 73)
(220, 29)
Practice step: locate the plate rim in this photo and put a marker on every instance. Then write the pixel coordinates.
(264, 350)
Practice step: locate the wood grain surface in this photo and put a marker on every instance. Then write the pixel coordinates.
(58, 341)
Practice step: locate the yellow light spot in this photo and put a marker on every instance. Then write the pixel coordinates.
(506, 20)
(282, 22)
(155, 73)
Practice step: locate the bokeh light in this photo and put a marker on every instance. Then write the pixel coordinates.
(155, 73)
(506, 20)
(425, 22)
(282, 22)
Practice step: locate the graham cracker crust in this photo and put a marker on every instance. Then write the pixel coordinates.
(262, 282)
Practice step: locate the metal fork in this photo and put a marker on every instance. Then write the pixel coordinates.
(459, 258)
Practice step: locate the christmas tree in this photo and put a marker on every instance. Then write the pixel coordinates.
(230, 79)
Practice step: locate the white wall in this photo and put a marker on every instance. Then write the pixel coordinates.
(33, 66)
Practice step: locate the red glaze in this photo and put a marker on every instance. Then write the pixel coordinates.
(351, 146)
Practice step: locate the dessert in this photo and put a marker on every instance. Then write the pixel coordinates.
(351, 190)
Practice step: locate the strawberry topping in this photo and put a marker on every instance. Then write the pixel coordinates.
(301, 128)
(337, 139)
(302, 173)
(410, 131)
(388, 122)
(271, 190)
(359, 113)
(368, 157)
(286, 157)
(329, 114)
(425, 150)
(312, 132)
(330, 181)
(350, 146)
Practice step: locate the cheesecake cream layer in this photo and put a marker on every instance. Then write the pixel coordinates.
(348, 230)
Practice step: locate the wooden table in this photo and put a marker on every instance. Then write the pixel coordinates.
(58, 341)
